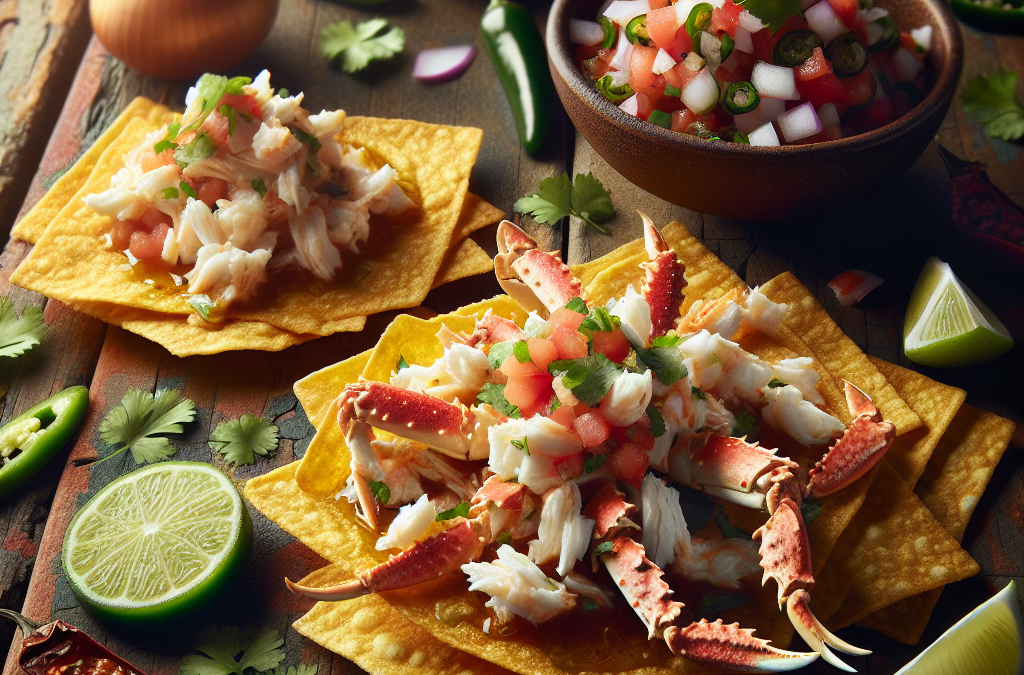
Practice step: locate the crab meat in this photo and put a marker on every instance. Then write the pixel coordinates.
(518, 587)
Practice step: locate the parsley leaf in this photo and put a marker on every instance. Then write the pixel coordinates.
(198, 149)
(772, 13)
(259, 650)
(589, 378)
(359, 45)
(494, 395)
(990, 100)
(559, 197)
(140, 415)
(19, 334)
(242, 439)
(461, 510)
(499, 352)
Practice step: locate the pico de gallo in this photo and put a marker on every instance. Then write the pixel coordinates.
(752, 72)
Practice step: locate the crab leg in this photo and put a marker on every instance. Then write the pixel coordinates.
(663, 287)
(538, 281)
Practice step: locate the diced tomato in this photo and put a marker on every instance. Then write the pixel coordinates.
(662, 27)
(726, 18)
(847, 10)
(598, 67)
(569, 467)
(513, 367)
(571, 344)
(612, 344)
(592, 429)
(642, 78)
(645, 105)
(765, 41)
(542, 352)
(148, 244)
(565, 416)
(742, 68)
(218, 126)
(243, 103)
(565, 317)
(816, 82)
(860, 89)
(876, 115)
(581, 53)
(121, 233)
(210, 190)
(151, 218)
(581, 409)
(150, 161)
(540, 406)
(629, 462)
(657, 4)
(679, 76)
(643, 438)
(524, 391)
(682, 119)
(682, 46)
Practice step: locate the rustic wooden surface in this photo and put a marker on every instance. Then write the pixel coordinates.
(889, 231)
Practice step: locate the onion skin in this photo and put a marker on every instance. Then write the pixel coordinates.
(183, 39)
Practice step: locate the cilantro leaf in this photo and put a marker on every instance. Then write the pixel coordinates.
(558, 197)
(668, 340)
(990, 100)
(775, 383)
(603, 548)
(209, 91)
(578, 305)
(522, 352)
(140, 415)
(187, 189)
(589, 378)
(359, 45)
(729, 531)
(19, 334)
(198, 149)
(697, 395)
(259, 650)
(494, 395)
(402, 363)
(657, 421)
(202, 304)
(523, 445)
(665, 362)
(381, 491)
(259, 186)
(746, 426)
(242, 439)
(499, 352)
(168, 142)
(599, 319)
(772, 13)
(461, 510)
(810, 511)
(594, 462)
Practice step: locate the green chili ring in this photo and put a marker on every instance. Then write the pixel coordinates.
(609, 33)
(847, 56)
(890, 35)
(995, 19)
(795, 47)
(58, 417)
(728, 44)
(636, 31)
(613, 94)
(741, 97)
(698, 20)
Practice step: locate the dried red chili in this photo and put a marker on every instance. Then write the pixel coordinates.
(978, 205)
(58, 648)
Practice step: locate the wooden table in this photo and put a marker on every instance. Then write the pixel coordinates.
(889, 230)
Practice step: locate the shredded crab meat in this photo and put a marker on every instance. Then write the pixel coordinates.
(459, 375)
(409, 526)
(724, 367)
(634, 315)
(518, 587)
(664, 527)
(800, 419)
(627, 400)
(547, 441)
(563, 532)
(800, 373)
(719, 562)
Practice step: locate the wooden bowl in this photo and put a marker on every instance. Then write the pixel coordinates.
(755, 183)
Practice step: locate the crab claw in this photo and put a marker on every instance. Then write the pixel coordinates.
(862, 446)
(729, 647)
(540, 282)
(815, 634)
(426, 560)
(663, 287)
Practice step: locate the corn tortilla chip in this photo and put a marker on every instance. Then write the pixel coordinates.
(316, 390)
(71, 262)
(141, 111)
(414, 340)
(476, 214)
(325, 466)
(952, 484)
(464, 259)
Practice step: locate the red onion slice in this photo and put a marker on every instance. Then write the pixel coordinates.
(852, 285)
(443, 64)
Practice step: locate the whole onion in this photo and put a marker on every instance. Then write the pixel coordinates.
(181, 39)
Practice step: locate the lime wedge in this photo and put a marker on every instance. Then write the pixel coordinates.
(947, 325)
(989, 640)
(158, 547)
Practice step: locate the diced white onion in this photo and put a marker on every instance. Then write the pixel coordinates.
(618, 77)
(922, 37)
(906, 65)
(701, 94)
(663, 62)
(624, 11)
(774, 81)
(799, 123)
(747, 122)
(629, 105)
(683, 8)
(711, 48)
(872, 14)
(585, 32)
(743, 41)
(764, 135)
(770, 109)
(828, 116)
(749, 21)
(623, 53)
(824, 21)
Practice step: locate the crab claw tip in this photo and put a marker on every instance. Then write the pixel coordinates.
(816, 635)
(653, 240)
(346, 591)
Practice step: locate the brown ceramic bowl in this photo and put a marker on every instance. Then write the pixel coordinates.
(755, 183)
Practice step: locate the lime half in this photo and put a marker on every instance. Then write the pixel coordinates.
(947, 325)
(989, 640)
(159, 546)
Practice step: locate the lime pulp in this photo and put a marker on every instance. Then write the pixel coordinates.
(159, 546)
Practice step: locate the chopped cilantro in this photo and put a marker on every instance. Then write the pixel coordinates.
(230, 651)
(402, 363)
(209, 91)
(522, 352)
(235, 84)
(202, 304)
(499, 352)
(729, 531)
(504, 538)
(494, 395)
(670, 339)
(746, 426)
(697, 395)
(187, 189)
(259, 186)
(314, 145)
(381, 491)
(599, 319)
(135, 422)
(665, 362)
(772, 13)
(19, 334)
(198, 149)
(170, 193)
(523, 445)
(555, 405)
(461, 510)
(990, 100)
(168, 142)
(810, 511)
(228, 112)
(594, 462)
(604, 547)
(283, 92)
(577, 305)
(776, 383)
(589, 378)
(242, 439)
(358, 46)
(559, 197)
(657, 421)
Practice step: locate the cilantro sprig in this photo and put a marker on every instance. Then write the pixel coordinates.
(230, 651)
(136, 421)
(990, 100)
(18, 334)
(772, 13)
(359, 45)
(589, 378)
(494, 395)
(558, 196)
(462, 509)
(242, 439)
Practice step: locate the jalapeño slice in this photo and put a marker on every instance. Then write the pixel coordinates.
(698, 20)
(728, 44)
(890, 34)
(795, 47)
(741, 97)
(613, 94)
(848, 57)
(609, 33)
(636, 31)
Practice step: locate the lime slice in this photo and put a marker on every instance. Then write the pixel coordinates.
(947, 325)
(159, 546)
(989, 640)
